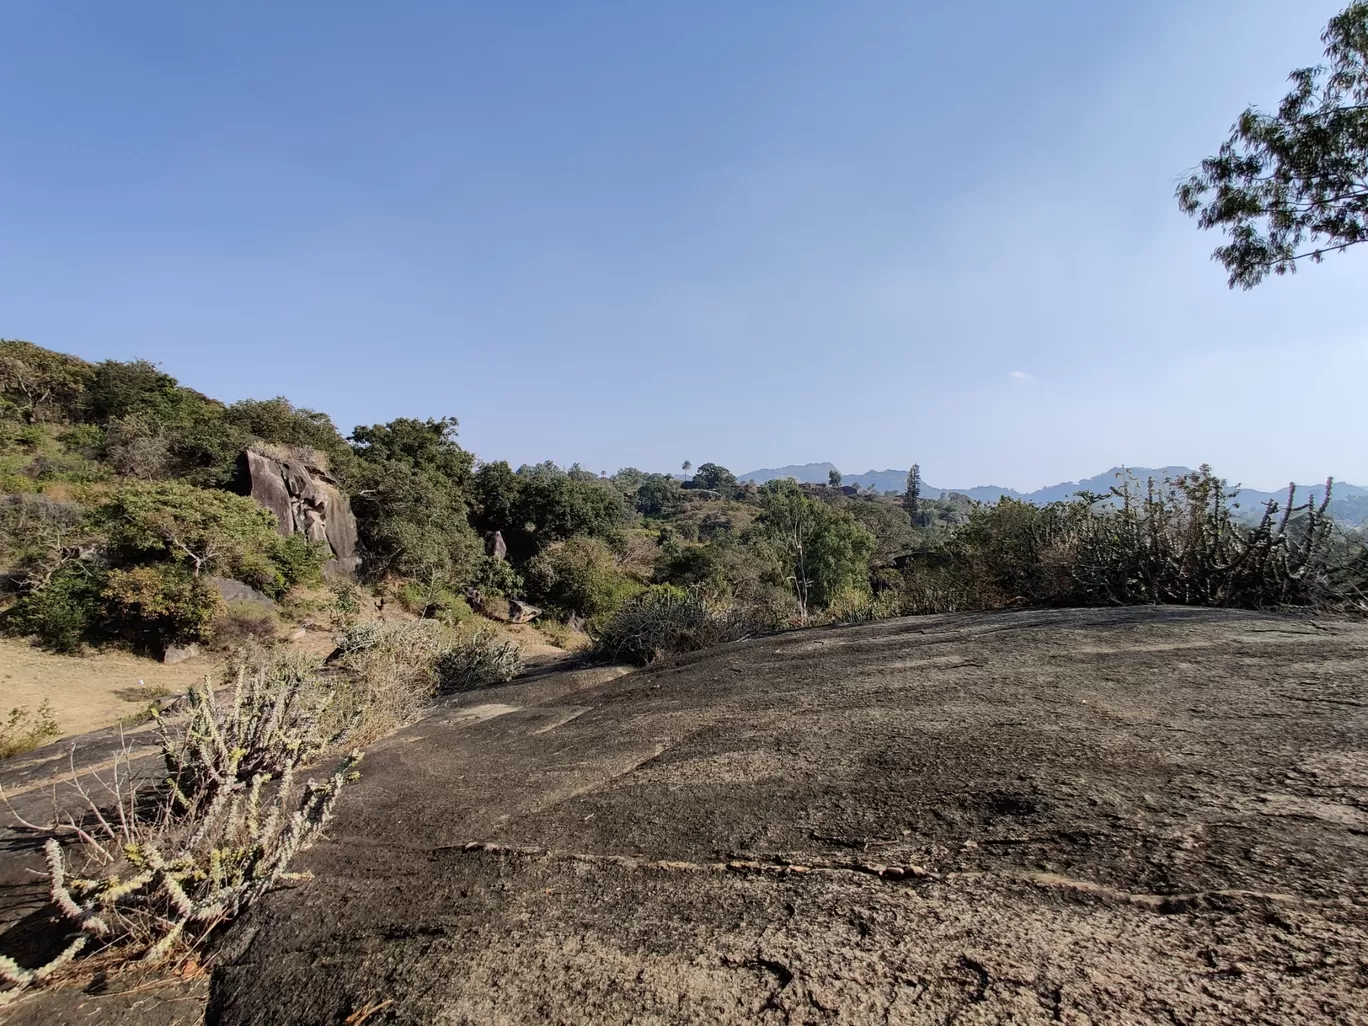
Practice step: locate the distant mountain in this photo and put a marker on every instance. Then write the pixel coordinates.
(1349, 503)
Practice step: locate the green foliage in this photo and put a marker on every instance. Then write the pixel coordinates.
(299, 560)
(495, 494)
(206, 531)
(496, 577)
(834, 478)
(821, 550)
(579, 576)
(1176, 542)
(1293, 185)
(912, 494)
(280, 422)
(553, 506)
(38, 385)
(63, 614)
(411, 505)
(657, 495)
(159, 603)
(714, 478)
(889, 524)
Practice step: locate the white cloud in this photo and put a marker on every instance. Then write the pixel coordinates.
(1020, 376)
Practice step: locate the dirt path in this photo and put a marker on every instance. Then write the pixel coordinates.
(90, 691)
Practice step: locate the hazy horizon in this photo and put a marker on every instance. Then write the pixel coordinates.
(744, 234)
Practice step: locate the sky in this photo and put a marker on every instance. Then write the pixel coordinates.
(632, 234)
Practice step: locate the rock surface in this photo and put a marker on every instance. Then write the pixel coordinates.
(496, 547)
(305, 500)
(1101, 816)
(235, 591)
(180, 653)
(522, 612)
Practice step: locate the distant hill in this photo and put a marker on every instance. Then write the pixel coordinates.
(1349, 503)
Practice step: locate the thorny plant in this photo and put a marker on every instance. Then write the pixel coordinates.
(154, 867)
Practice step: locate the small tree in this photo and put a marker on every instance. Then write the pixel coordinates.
(1293, 185)
(834, 478)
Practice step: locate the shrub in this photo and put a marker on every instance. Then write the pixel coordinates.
(159, 604)
(23, 731)
(496, 577)
(272, 722)
(666, 621)
(239, 624)
(579, 576)
(64, 614)
(174, 860)
(478, 660)
(386, 673)
(300, 561)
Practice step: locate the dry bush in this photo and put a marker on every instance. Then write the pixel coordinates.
(1176, 542)
(155, 865)
(385, 673)
(666, 621)
(243, 624)
(23, 731)
(479, 659)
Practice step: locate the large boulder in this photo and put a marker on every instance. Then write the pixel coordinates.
(305, 500)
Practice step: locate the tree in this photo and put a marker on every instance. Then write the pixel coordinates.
(912, 496)
(39, 384)
(714, 477)
(822, 549)
(686, 467)
(411, 506)
(834, 478)
(1293, 185)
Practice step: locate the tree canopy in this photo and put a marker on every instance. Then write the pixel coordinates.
(1293, 185)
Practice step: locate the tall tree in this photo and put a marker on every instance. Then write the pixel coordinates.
(834, 478)
(1293, 185)
(687, 466)
(912, 496)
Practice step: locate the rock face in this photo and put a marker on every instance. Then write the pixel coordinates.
(1137, 815)
(236, 591)
(305, 500)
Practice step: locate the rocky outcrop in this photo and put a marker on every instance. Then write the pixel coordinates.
(495, 546)
(522, 612)
(305, 500)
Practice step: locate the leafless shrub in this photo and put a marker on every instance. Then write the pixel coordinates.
(154, 866)
(477, 660)
(1177, 542)
(666, 621)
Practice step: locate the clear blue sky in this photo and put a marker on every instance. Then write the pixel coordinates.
(634, 233)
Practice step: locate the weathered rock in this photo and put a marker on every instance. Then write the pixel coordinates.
(496, 547)
(522, 612)
(305, 500)
(1166, 809)
(236, 591)
(180, 653)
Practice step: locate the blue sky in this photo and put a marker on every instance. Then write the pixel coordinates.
(631, 234)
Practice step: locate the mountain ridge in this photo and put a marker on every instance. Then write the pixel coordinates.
(895, 481)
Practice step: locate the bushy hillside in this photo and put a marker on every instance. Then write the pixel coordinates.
(123, 511)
